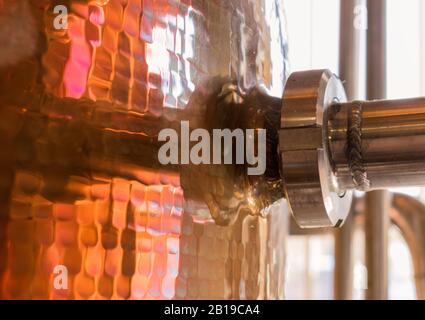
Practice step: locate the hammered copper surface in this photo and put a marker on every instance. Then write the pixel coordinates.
(86, 103)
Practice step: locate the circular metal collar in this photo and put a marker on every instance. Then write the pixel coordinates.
(309, 180)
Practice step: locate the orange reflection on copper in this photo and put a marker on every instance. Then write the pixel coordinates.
(122, 241)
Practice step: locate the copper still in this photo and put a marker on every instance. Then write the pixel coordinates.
(86, 86)
(81, 186)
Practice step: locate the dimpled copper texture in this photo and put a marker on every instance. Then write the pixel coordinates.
(119, 239)
(78, 118)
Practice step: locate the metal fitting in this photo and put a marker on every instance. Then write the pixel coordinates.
(311, 187)
(329, 147)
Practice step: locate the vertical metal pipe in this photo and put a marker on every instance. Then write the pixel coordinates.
(377, 202)
(349, 53)
(422, 45)
(376, 230)
(349, 48)
(343, 274)
(376, 50)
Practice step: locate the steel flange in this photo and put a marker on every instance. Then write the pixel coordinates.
(310, 183)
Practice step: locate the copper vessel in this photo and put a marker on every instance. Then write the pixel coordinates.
(80, 186)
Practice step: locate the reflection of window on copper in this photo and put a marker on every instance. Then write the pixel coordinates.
(140, 55)
(118, 238)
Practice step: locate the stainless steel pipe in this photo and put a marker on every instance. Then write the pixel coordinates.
(392, 140)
